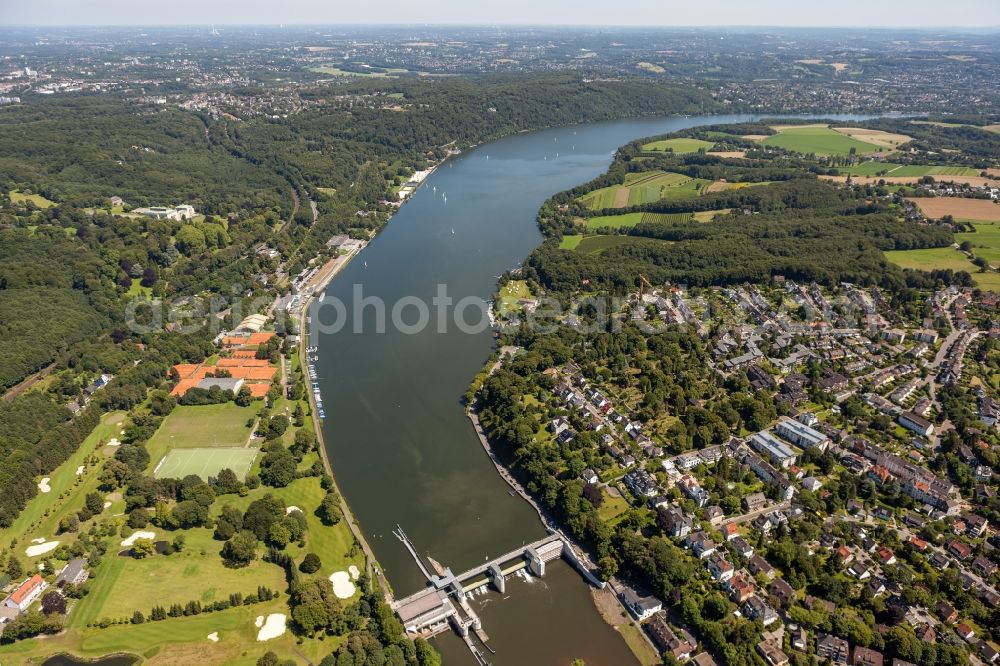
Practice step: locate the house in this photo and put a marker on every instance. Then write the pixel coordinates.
(800, 637)
(666, 640)
(674, 522)
(965, 632)
(772, 654)
(886, 556)
(926, 633)
(756, 608)
(781, 591)
(720, 569)
(959, 549)
(946, 612)
(984, 566)
(975, 526)
(642, 608)
(830, 647)
(859, 570)
(988, 653)
(877, 587)
(714, 515)
(74, 573)
(759, 566)
(730, 531)
(802, 435)
(703, 659)
(772, 447)
(700, 544)
(739, 587)
(589, 476)
(916, 423)
(641, 483)
(866, 657)
(26, 593)
(754, 502)
(740, 546)
(558, 425)
(811, 483)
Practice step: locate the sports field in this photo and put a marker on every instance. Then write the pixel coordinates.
(679, 146)
(205, 463)
(818, 139)
(201, 426)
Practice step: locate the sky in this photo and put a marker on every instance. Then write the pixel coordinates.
(649, 13)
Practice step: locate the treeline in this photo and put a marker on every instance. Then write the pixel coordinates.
(36, 436)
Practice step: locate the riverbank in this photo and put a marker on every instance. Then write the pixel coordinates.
(372, 569)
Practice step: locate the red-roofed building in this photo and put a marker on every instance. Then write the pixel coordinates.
(26, 593)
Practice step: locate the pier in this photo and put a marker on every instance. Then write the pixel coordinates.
(444, 603)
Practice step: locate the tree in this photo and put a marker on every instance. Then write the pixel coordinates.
(241, 550)
(299, 415)
(278, 535)
(310, 564)
(138, 617)
(261, 514)
(227, 482)
(138, 518)
(243, 397)
(278, 468)
(426, 654)
(143, 548)
(53, 602)
(329, 509)
(14, 568)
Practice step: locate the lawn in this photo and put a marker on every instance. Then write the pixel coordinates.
(42, 514)
(931, 259)
(987, 281)
(612, 507)
(123, 584)
(680, 146)
(205, 463)
(37, 199)
(201, 426)
(510, 294)
(136, 289)
(817, 139)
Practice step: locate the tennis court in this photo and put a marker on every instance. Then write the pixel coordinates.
(205, 463)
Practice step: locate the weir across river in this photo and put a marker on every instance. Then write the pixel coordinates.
(443, 603)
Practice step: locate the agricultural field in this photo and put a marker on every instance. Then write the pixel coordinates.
(680, 146)
(906, 170)
(818, 139)
(884, 140)
(931, 259)
(205, 463)
(598, 244)
(616, 221)
(642, 188)
(37, 199)
(959, 208)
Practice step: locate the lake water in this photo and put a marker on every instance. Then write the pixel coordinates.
(400, 445)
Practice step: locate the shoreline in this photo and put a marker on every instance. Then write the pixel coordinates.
(371, 563)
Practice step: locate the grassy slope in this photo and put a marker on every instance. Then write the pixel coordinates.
(819, 140)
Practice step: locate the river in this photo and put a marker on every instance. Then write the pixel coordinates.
(398, 440)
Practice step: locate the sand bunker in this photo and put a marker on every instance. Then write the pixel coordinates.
(129, 542)
(79, 470)
(41, 549)
(292, 509)
(107, 505)
(38, 540)
(273, 627)
(354, 571)
(214, 637)
(343, 588)
(259, 622)
(43, 485)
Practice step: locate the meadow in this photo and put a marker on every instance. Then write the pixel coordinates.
(642, 188)
(905, 170)
(510, 294)
(985, 239)
(37, 199)
(931, 259)
(680, 146)
(818, 139)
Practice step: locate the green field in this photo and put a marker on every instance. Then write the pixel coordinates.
(510, 294)
(986, 239)
(679, 146)
(905, 170)
(137, 289)
(643, 188)
(205, 463)
(123, 584)
(987, 281)
(942, 258)
(818, 140)
(570, 242)
(615, 221)
(37, 199)
(201, 426)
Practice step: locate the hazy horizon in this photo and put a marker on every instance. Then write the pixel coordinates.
(918, 14)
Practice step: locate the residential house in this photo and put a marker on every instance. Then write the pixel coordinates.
(965, 632)
(830, 647)
(740, 587)
(781, 591)
(756, 608)
(700, 544)
(74, 573)
(719, 567)
(985, 567)
(946, 612)
(740, 546)
(759, 566)
(866, 657)
(772, 654)
(754, 502)
(666, 640)
(959, 549)
(642, 608)
(674, 522)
